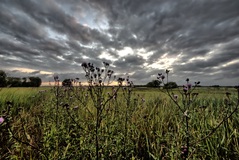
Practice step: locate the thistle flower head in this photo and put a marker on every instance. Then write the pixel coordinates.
(84, 65)
(198, 82)
(1, 120)
(175, 96)
(185, 88)
(167, 71)
(189, 85)
(106, 64)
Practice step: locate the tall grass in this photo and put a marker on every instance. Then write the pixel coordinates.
(149, 126)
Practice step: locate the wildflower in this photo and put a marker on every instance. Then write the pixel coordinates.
(189, 85)
(184, 151)
(167, 71)
(97, 69)
(1, 120)
(185, 88)
(175, 96)
(84, 64)
(106, 64)
(187, 80)
(197, 82)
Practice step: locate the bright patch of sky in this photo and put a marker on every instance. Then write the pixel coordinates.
(85, 57)
(125, 52)
(165, 62)
(86, 15)
(28, 70)
(142, 52)
(60, 57)
(107, 56)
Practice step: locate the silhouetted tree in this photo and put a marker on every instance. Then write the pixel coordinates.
(24, 82)
(170, 85)
(3, 77)
(35, 82)
(67, 83)
(19, 82)
(154, 83)
(14, 82)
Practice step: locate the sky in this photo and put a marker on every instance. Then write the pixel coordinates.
(195, 39)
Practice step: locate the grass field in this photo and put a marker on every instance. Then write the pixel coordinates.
(142, 123)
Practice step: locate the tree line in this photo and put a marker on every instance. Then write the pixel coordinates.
(157, 83)
(18, 82)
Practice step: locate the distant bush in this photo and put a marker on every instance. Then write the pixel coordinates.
(170, 85)
(67, 83)
(154, 83)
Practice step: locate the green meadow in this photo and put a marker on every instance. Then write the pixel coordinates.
(136, 123)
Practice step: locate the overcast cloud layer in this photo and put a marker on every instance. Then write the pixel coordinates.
(196, 39)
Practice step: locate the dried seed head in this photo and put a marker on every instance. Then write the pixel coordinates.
(167, 71)
(84, 64)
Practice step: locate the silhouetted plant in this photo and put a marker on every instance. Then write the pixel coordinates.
(98, 79)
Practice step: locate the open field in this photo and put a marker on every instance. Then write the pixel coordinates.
(142, 123)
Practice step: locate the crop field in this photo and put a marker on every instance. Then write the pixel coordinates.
(118, 123)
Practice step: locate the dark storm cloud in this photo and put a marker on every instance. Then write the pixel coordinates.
(129, 63)
(57, 36)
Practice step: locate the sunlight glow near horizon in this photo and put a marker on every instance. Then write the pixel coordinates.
(28, 70)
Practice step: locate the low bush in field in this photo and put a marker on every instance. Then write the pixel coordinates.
(120, 122)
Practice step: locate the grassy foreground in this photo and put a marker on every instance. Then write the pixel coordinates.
(62, 123)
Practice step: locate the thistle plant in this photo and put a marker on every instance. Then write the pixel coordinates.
(184, 105)
(127, 94)
(98, 79)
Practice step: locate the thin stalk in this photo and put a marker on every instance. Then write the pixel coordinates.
(96, 135)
